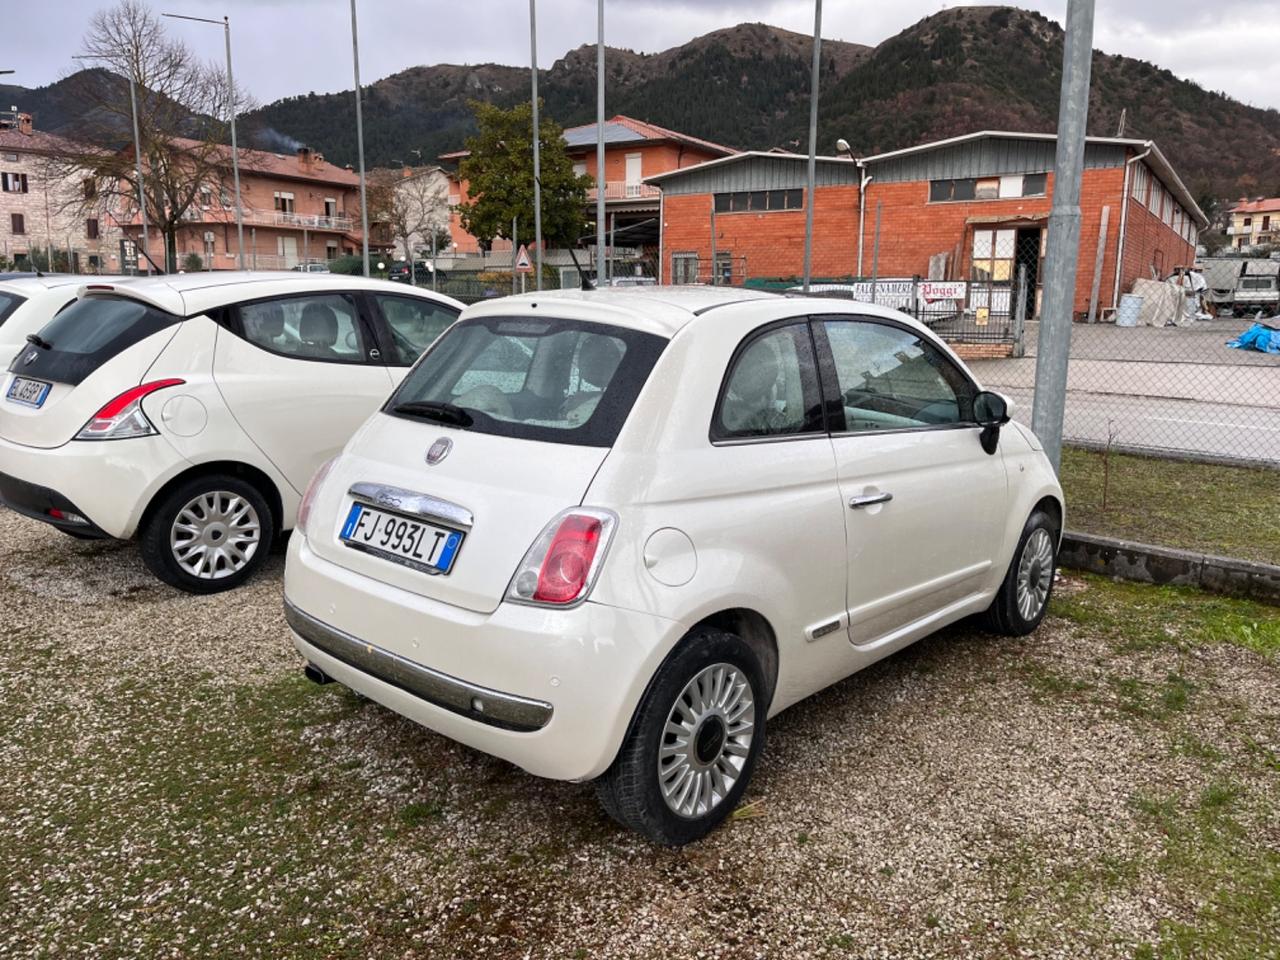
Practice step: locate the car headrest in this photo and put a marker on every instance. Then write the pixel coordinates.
(598, 359)
(756, 373)
(267, 320)
(318, 326)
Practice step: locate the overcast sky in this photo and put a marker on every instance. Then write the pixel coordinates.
(285, 47)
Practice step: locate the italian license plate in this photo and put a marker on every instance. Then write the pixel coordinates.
(412, 543)
(30, 392)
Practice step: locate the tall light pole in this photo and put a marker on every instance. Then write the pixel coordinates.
(813, 144)
(600, 143)
(225, 23)
(137, 159)
(537, 138)
(364, 201)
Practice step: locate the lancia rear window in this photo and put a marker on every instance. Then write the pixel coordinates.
(85, 335)
(9, 302)
(552, 380)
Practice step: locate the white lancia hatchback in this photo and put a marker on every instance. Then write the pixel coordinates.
(605, 535)
(190, 411)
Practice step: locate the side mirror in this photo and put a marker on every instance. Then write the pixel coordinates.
(991, 410)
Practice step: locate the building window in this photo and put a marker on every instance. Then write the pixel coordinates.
(283, 201)
(18, 223)
(1009, 187)
(759, 201)
(13, 182)
(1266, 223)
(1248, 221)
(90, 188)
(1139, 189)
(330, 207)
(684, 268)
(91, 228)
(331, 251)
(11, 158)
(993, 254)
(724, 268)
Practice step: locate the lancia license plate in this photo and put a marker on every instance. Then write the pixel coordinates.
(411, 543)
(27, 391)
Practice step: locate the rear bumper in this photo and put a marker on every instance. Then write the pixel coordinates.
(44, 503)
(556, 689)
(108, 482)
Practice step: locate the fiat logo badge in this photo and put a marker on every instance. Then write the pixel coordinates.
(30, 358)
(439, 450)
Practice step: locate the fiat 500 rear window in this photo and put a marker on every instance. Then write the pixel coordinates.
(86, 335)
(560, 381)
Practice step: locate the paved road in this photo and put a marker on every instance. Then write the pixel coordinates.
(1170, 388)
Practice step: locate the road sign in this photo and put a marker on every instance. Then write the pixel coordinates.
(522, 260)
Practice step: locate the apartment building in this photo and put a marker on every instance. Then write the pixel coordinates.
(297, 208)
(44, 208)
(1254, 223)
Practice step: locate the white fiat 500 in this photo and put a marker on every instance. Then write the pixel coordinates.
(190, 411)
(605, 535)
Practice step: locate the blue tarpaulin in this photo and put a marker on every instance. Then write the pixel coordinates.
(1258, 337)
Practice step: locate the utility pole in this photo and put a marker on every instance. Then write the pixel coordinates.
(225, 23)
(364, 202)
(813, 143)
(1063, 247)
(600, 142)
(537, 138)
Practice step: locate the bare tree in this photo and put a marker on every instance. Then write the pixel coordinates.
(414, 204)
(183, 123)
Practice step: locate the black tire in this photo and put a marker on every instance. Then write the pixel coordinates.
(1006, 615)
(630, 790)
(159, 556)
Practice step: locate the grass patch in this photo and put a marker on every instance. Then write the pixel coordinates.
(1229, 511)
(1140, 616)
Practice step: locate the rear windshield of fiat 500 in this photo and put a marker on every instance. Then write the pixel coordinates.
(9, 302)
(562, 381)
(86, 335)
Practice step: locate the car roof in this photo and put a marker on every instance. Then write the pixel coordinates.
(30, 283)
(188, 294)
(660, 310)
(667, 310)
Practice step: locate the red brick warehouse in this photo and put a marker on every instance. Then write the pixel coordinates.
(970, 208)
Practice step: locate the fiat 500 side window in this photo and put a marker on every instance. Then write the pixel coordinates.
(771, 389)
(890, 378)
(317, 326)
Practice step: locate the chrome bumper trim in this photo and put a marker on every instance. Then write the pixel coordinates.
(495, 708)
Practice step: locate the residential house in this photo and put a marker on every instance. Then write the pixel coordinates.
(43, 208)
(1254, 223)
(634, 150)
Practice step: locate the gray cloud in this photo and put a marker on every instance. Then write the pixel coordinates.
(285, 47)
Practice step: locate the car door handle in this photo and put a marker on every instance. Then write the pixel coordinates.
(867, 499)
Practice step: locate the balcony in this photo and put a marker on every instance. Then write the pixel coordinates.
(622, 190)
(268, 218)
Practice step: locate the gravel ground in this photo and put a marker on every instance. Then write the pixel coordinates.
(172, 787)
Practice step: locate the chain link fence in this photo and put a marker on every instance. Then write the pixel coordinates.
(1154, 375)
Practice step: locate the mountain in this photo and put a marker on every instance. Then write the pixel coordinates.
(957, 71)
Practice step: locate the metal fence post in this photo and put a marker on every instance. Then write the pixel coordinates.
(1063, 250)
(915, 296)
(713, 241)
(1020, 314)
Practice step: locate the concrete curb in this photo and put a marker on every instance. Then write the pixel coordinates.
(1164, 565)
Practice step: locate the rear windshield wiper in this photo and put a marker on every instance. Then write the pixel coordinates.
(435, 410)
(38, 341)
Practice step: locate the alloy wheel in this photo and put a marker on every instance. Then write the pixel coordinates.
(1035, 574)
(706, 740)
(215, 535)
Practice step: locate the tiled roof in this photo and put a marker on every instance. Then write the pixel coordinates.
(285, 165)
(38, 142)
(621, 129)
(1267, 205)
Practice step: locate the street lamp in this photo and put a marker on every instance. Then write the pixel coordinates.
(537, 136)
(137, 157)
(225, 23)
